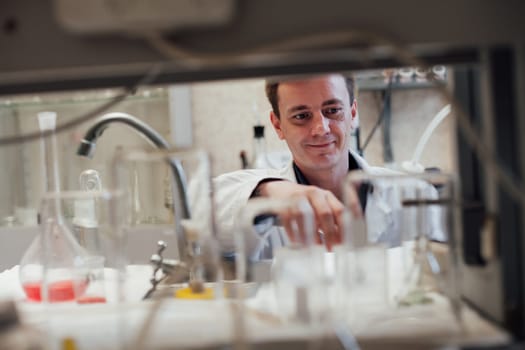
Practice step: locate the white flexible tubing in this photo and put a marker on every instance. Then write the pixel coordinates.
(440, 116)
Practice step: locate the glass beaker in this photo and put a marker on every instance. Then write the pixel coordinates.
(285, 260)
(360, 271)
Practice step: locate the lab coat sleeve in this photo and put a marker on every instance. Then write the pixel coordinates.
(232, 192)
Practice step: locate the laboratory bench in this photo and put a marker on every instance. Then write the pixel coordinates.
(221, 323)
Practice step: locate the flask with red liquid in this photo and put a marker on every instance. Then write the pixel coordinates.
(53, 268)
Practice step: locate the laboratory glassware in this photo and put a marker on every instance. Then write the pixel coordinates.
(102, 214)
(401, 214)
(189, 234)
(85, 222)
(287, 261)
(360, 261)
(51, 268)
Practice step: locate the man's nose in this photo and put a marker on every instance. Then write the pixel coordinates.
(320, 124)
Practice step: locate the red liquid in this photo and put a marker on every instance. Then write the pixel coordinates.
(91, 300)
(57, 291)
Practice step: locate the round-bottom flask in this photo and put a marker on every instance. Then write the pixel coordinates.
(54, 267)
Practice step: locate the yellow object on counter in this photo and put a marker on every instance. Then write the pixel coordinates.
(188, 293)
(69, 344)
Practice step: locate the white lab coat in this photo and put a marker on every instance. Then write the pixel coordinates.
(233, 190)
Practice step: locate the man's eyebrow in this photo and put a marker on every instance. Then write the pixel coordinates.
(332, 101)
(297, 108)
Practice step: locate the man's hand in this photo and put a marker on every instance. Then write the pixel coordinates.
(327, 209)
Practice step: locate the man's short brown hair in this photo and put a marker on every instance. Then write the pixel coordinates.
(273, 84)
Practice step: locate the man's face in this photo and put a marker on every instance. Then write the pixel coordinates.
(315, 120)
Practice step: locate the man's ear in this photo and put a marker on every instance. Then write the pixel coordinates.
(353, 109)
(354, 121)
(276, 122)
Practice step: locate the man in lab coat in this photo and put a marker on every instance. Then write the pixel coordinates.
(315, 115)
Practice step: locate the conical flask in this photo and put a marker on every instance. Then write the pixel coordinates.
(53, 267)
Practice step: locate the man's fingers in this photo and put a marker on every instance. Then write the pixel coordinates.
(294, 220)
(337, 209)
(322, 216)
(329, 215)
(323, 212)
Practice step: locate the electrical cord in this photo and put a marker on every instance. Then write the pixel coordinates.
(147, 78)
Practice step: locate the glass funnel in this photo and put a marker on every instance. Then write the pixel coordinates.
(49, 267)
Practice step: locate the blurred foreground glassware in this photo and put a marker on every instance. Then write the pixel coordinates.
(186, 259)
(297, 272)
(360, 269)
(57, 268)
(191, 260)
(48, 269)
(404, 213)
(103, 238)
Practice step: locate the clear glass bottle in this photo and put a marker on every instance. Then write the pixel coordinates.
(85, 223)
(259, 148)
(53, 267)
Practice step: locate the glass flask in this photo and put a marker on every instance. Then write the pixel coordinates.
(51, 268)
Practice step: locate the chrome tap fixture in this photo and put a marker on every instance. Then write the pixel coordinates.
(181, 206)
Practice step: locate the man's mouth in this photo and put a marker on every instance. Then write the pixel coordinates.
(321, 145)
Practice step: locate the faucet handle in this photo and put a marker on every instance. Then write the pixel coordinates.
(162, 246)
(157, 260)
(173, 271)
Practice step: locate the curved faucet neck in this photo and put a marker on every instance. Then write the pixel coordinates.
(96, 130)
(181, 208)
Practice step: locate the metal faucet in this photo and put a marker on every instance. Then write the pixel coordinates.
(181, 206)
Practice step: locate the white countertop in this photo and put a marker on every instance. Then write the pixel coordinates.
(203, 323)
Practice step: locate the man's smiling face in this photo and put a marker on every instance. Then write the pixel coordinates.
(315, 120)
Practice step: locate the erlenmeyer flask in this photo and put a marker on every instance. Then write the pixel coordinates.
(52, 267)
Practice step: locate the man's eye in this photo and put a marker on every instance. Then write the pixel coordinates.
(333, 112)
(300, 116)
